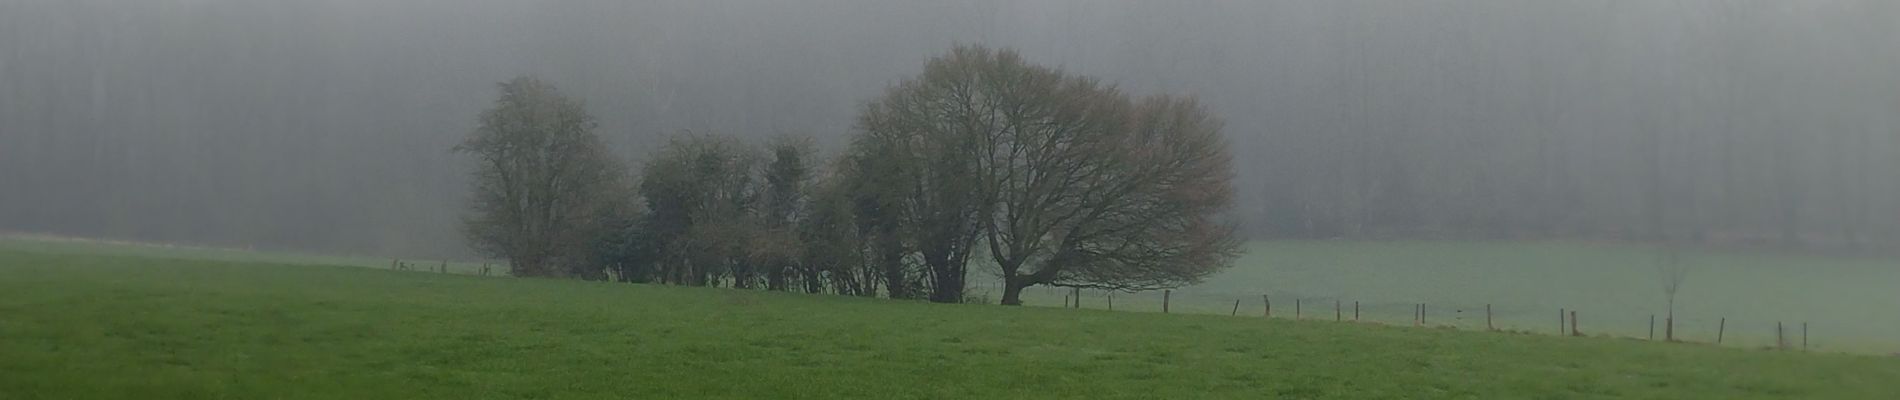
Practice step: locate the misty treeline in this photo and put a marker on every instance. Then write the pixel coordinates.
(318, 125)
(1051, 178)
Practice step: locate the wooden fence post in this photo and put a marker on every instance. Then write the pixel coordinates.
(1780, 342)
(1573, 324)
(1804, 336)
(1165, 294)
(1065, 301)
(1669, 327)
(1560, 321)
(1355, 311)
(1720, 327)
(1264, 299)
(1236, 308)
(1652, 327)
(1296, 308)
(1078, 297)
(1337, 316)
(1487, 318)
(1421, 315)
(1111, 301)
(1415, 315)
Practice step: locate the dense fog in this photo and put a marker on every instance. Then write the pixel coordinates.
(326, 125)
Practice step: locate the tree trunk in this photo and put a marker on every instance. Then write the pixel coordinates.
(1669, 323)
(1013, 290)
(947, 275)
(894, 281)
(813, 283)
(867, 283)
(891, 262)
(948, 288)
(525, 266)
(775, 278)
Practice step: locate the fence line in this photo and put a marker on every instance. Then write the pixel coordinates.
(1452, 317)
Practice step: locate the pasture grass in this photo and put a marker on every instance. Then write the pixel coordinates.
(95, 326)
(1848, 301)
(83, 246)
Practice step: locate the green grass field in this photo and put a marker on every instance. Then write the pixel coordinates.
(78, 325)
(79, 246)
(1847, 302)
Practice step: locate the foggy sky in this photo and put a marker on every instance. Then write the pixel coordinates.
(325, 125)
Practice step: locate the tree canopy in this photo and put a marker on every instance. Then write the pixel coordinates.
(543, 184)
(1064, 180)
(983, 159)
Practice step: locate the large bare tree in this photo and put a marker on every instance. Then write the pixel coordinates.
(1144, 218)
(542, 182)
(1064, 180)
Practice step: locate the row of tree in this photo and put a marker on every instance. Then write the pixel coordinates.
(983, 159)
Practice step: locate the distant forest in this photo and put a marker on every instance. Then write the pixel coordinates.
(323, 126)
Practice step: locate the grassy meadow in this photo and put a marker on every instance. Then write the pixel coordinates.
(1846, 301)
(75, 325)
(80, 246)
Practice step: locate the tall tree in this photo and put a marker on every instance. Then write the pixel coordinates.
(1148, 218)
(1134, 210)
(835, 249)
(785, 197)
(542, 182)
(923, 139)
(1067, 181)
(700, 196)
(878, 178)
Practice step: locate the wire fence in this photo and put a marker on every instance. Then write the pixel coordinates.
(1734, 331)
(1582, 320)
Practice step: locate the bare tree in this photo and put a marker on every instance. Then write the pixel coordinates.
(542, 179)
(1149, 221)
(1672, 272)
(1067, 181)
(1140, 217)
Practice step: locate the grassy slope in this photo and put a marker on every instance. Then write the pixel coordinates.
(77, 246)
(102, 326)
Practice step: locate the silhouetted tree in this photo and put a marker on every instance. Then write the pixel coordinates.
(836, 253)
(625, 245)
(700, 195)
(878, 189)
(1146, 218)
(1672, 273)
(1067, 181)
(542, 180)
(921, 143)
(784, 197)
